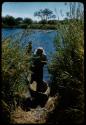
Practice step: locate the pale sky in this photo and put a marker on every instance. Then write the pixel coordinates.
(27, 9)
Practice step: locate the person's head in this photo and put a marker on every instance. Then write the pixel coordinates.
(39, 51)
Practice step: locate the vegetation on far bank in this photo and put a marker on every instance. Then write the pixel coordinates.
(51, 24)
(47, 21)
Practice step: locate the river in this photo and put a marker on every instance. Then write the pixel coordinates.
(42, 38)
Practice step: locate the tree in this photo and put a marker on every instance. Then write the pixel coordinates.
(27, 21)
(9, 20)
(19, 20)
(45, 14)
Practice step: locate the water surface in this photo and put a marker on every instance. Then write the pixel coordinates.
(42, 38)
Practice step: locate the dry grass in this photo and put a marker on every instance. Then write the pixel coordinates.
(33, 116)
(37, 115)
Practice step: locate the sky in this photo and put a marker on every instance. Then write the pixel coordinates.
(27, 9)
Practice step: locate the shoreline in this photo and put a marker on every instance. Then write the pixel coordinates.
(29, 28)
(35, 26)
(49, 30)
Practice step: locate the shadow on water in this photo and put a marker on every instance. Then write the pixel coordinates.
(42, 38)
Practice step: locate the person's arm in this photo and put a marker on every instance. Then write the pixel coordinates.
(44, 61)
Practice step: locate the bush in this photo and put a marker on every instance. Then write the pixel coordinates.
(52, 22)
(35, 26)
(23, 25)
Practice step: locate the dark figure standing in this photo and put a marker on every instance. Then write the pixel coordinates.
(29, 48)
(39, 60)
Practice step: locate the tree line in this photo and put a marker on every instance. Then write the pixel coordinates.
(45, 16)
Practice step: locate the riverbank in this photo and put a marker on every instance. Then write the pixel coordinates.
(34, 26)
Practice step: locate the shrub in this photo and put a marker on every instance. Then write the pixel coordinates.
(23, 25)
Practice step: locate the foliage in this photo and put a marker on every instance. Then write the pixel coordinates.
(27, 21)
(42, 22)
(23, 25)
(15, 69)
(9, 20)
(45, 14)
(41, 26)
(52, 22)
(36, 26)
(18, 20)
(47, 26)
(67, 69)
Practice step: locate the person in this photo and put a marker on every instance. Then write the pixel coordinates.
(39, 60)
(29, 48)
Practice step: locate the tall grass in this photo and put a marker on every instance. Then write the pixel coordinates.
(67, 69)
(15, 70)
